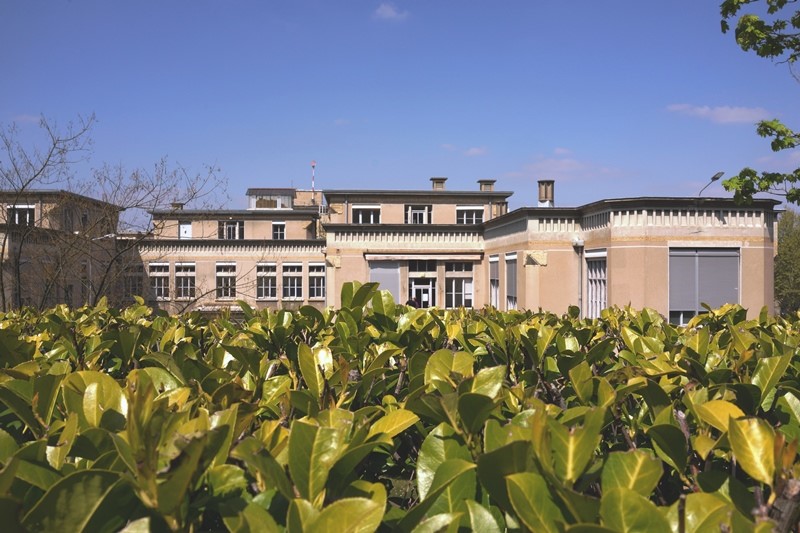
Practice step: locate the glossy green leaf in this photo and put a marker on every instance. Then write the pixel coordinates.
(441, 444)
(393, 423)
(637, 470)
(573, 448)
(532, 502)
(439, 523)
(703, 512)
(348, 515)
(474, 409)
(670, 445)
(448, 473)
(71, 503)
(251, 519)
(183, 471)
(494, 466)
(489, 381)
(480, 519)
(626, 511)
(58, 454)
(769, 370)
(311, 372)
(717, 413)
(313, 450)
(753, 443)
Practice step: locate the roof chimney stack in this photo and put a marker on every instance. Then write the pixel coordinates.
(177, 206)
(437, 183)
(486, 185)
(546, 193)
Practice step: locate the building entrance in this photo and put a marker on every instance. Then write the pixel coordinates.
(423, 290)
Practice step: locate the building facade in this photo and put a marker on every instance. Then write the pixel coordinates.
(463, 248)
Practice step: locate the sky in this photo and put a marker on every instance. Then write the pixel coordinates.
(611, 99)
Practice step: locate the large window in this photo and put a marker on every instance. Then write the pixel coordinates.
(132, 281)
(159, 280)
(316, 281)
(231, 229)
(266, 281)
(511, 281)
(184, 281)
(458, 284)
(701, 275)
(292, 281)
(494, 281)
(596, 283)
(226, 281)
(418, 214)
(279, 231)
(185, 229)
(469, 215)
(366, 214)
(21, 215)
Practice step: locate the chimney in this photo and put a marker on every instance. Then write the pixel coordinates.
(437, 184)
(546, 193)
(486, 185)
(177, 206)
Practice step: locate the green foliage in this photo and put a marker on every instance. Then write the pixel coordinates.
(776, 37)
(379, 416)
(787, 262)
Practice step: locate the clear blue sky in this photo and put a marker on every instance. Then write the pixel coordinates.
(610, 99)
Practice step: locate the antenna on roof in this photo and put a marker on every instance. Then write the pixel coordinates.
(313, 169)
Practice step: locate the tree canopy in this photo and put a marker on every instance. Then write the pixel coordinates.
(773, 34)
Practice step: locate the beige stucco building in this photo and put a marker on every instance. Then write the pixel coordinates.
(464, 248)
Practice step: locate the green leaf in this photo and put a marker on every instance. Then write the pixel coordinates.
(489, 381)
(443, 522)
(637, 470)
(348, 515)
(71, 503)
(493, 467)
(768, 372)
(441, 444)
(480, 519)
(717, 413)
(393, 423)
(574, 448)
(626, 511)
(704, 512)
(474, 409)
(62, 448)
(310, 370)
(8, 446)
(250, 451)
(443, 365)
(313, 450)
(447, 473)
(182, 471)
(532, 502)
(753, 443)
(253, 518)
(300, 516)
(669, 443)
(383, 303)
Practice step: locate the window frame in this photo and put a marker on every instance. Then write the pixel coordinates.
(418, 214)
(225, 280)
(317, 281)
(185, 281)
(596, 282)
(230, 230)
(159, 274)
(292, 281)
(279, 231)
(266, 281)
(359, 214)
(469, 215)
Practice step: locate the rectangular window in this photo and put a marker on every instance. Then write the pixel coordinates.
(494, 281)
(458, 284)
(418, 214)
(279, 231)
(69, 222)
(366, 214)
(316, 281)
(421, 266)
(701, 276)
(511, 281)
(184, 281)
(226, 281)
(133, 281)
(184, 230)
(231, 229)
(159, 280)
(469, 215)
(21, 215)
(266, 281)
(292, 281)
(596, 283)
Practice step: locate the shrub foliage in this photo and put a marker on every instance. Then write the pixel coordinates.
(377, 416)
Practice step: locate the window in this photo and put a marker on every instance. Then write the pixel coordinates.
(69, 223)
(133, 281)
(421, 266)
(226, 281)
(279, 231)
(458, 284)
(159, 280)
(494, 281)
(184, 230)
(266, 281)
(469, 215)
(596, 283)
(85, 282)
(184, 281)
(316, 281)
(231, 229)
(21, 215)
(418, 214)
(511, 281)
(366, 214)
(292, 281)
(701, 275)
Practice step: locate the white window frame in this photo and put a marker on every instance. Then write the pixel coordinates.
(511, 299)
(469, 214)
(317, 285)
(292, 281)
(185, 281)
(279, 231)
(14, 211)
(230, 230)
(266, 281)
(159, 280)
(185, 229)
(366, 213)
(225, 280)
(419, 214)
(596, 282)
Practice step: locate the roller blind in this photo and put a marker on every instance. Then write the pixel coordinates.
(387, 273)
(702, 275)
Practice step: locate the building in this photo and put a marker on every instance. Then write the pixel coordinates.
(55, 247)
(463, 248)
